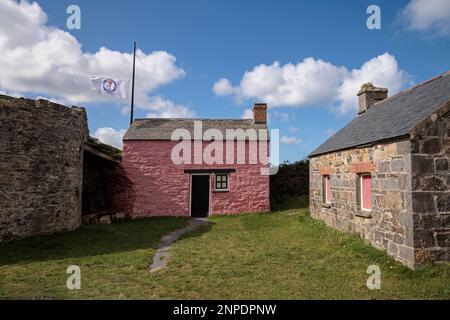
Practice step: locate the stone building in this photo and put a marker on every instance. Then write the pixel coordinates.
(385, 174)
(47, 162)
(229, 184)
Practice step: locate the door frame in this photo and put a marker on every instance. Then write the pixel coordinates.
(190, 191)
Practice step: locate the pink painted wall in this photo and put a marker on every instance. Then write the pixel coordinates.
(162, 188)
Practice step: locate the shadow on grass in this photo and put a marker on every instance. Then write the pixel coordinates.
(196, 233)
(93, 240)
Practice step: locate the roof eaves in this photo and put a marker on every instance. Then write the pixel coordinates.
(362, 145)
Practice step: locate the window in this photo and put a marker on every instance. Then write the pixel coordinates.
(221, 182)
(327, 194)
(365, 192)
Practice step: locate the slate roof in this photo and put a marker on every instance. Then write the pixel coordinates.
(161, 129)
(391, 118)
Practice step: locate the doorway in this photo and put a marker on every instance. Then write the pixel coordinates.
(200, 188)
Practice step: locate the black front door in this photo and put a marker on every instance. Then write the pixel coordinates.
(200, 196)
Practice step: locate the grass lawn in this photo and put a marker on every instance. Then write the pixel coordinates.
(280, 255)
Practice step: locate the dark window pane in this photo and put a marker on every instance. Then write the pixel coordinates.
(221, 181)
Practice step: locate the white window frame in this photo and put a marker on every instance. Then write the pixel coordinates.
(325, 187)
(361, 190)
(228, 182)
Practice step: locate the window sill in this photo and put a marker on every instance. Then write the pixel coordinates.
(220, 191)
(364, 214)
(326, 205)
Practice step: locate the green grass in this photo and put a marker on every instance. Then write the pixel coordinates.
(280, 255)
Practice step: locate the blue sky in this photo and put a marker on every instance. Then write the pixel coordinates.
(213, 40)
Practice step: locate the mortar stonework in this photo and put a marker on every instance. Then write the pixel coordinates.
(389, 224)
(410, 216)
(431, 191)
(41, 167)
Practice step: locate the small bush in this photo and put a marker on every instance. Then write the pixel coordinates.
(292, 180)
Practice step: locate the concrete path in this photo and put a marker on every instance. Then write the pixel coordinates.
(162, 254)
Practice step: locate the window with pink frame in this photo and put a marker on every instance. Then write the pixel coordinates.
(327, 194)
(365, 192)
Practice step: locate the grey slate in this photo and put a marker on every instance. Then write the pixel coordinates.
(391, 118)
(161, 129)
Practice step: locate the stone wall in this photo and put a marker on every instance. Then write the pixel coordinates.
(41, 167)
(389, 224)
(431, 191)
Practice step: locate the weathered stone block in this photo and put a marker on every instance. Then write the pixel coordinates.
(443, 202)
(423, 202)
(424, 239)
(441, 164)
(444, 221)
(433, 184)
(397, 165)
(431, 146)
(443, 238)
(384, 166)
(422, 164)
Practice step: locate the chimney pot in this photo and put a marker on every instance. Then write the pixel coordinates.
(260, 112)
(369, 95)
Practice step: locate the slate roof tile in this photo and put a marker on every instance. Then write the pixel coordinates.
(391, 118)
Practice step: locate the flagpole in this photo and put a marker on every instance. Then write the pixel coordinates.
(132, 84)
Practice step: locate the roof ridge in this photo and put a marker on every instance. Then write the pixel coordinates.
(444, 74)
(394, 119)
(210, 119)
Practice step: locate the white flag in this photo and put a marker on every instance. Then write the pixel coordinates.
(111, 87)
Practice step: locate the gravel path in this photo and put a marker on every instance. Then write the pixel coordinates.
(162, 254)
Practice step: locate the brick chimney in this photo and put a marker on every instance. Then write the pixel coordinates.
(369, 95)
(260, 112)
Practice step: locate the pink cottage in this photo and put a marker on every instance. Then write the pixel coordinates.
(198, 167)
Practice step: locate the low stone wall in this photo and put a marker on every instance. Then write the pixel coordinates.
(41, 167)
(431, 191)
(389, 225)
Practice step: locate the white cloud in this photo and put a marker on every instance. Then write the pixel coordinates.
(310, 81)
(223, 87)
(290, 140)
(167, 109)
(37, 58)
(382, 71)
(281, 116)
(316, 82)
(110, 136)
(294, 129)
(248, 114)
(431, 16)
(330, 132)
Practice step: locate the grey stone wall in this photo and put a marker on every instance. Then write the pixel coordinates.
(431, 191)
(41, 167)
(389, 224)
